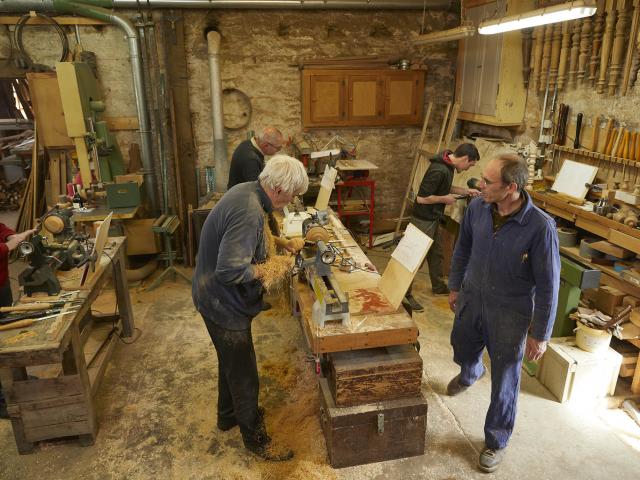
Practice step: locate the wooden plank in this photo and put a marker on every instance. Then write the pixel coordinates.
(71, 409)
(46, 432)
(45, 388)
(174, 43)
(610, 249)
(47, 106)
(593, 227)
(100, 362)
(625, 241)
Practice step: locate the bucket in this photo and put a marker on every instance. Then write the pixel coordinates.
(592, 340)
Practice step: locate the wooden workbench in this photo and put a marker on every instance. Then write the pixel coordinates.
(374, 323)
(98, 214)
(79, 346)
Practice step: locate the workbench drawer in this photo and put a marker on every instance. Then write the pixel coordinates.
(373, 432)
(374, 374)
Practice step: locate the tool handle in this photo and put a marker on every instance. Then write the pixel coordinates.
(28, 307)
(576, 142)
(19, 324)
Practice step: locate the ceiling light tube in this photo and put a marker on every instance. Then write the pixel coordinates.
(543, 16)
(445, 35)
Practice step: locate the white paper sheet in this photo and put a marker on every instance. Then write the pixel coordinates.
(329, 178)
(411, 248)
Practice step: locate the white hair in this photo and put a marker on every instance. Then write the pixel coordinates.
(285, 172)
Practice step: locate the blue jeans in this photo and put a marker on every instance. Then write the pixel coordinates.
(491, 321)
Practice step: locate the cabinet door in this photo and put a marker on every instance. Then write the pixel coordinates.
(403, 99)
(366, 99)
(327, 99)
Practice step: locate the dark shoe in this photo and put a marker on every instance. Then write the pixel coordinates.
(441, 290)
(271, 452)
(266, 306)
(227, 423)
(455, 387)
(413, 304)
(490, 459)
(3, 410)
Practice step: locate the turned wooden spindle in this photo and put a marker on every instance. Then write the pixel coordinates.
(564, 55)
(538, 40)
(527, 34)
(598, 30)
(585, 43)
(618, 46)
(607, 43)
(555, 55)
(575, 50)
(630, 48)
(546, 58)
(636, 62)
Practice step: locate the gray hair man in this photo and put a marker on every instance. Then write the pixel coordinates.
(247, 160)
(227, 291)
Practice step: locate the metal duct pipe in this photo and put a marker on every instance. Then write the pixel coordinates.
(219, 144)
(26, 5)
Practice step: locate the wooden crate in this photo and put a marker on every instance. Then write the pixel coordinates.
(374, 432)
(375, 374)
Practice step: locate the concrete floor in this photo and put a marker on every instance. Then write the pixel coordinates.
(156, 409)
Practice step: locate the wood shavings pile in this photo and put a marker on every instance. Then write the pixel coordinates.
(274, 270)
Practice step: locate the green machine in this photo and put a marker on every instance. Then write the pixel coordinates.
(575, 276)
(83, 112)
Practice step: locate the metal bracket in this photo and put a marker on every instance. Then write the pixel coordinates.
(380, 423)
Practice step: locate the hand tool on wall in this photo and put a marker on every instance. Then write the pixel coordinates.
(576, 141)
(594, 136)
(625, 144)
(607, 136)
(632, 146)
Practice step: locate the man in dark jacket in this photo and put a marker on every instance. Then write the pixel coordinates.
(227, 291)
(434, 194)
(248, 158)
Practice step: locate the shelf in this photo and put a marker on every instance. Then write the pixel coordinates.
(597, 156)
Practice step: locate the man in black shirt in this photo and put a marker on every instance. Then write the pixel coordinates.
(434, 194)
(248, 158)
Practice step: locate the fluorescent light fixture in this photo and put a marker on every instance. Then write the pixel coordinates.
(543, 16)
(457, 33)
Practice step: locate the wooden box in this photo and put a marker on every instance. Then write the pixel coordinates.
(141, 240)
(608, 299)
(374, 374)
(573, 374)
(374, 432)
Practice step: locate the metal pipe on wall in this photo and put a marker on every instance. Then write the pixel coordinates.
(219, 144)
(37, 5)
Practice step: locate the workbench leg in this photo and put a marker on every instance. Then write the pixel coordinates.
(73, 363)
(122, 292)
(7, 377)
(635, 383)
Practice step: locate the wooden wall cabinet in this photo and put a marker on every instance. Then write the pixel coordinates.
(490, 85)
(346, 98)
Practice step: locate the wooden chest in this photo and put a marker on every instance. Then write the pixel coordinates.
(374, 432)
(375, 374)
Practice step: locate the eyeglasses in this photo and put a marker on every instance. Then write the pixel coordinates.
(275, 147)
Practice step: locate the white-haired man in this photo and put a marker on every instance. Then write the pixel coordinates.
(227, 291)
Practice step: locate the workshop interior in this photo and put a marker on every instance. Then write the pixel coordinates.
(120, 124)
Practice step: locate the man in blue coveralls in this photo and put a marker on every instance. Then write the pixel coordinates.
(504, 282)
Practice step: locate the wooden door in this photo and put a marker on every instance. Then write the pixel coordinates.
(366, 99)
(327, 99)
(403, 98)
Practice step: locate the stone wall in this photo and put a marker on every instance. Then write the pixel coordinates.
(259, 54)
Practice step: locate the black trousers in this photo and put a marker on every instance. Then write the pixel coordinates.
(238, 384)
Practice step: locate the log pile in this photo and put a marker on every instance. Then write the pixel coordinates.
(11, 194)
